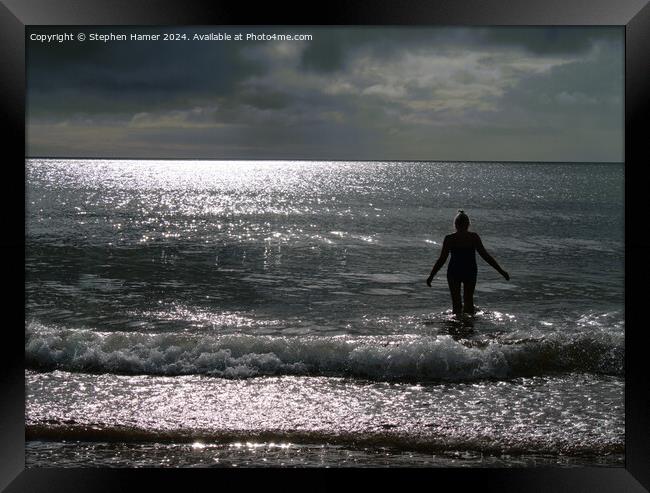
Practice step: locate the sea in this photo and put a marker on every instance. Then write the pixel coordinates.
(276, 314)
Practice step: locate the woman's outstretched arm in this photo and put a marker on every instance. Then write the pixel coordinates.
(489, 259)
(440, 262)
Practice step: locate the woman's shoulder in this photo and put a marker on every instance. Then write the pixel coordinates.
(463, 239)
(476, 240)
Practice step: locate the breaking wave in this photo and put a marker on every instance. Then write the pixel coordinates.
(381, 358)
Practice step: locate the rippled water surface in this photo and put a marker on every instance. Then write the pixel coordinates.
(176, 309)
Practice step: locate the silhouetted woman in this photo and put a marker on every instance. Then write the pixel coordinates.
(462, 267)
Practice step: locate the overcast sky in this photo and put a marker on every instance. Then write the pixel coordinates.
(481, 94)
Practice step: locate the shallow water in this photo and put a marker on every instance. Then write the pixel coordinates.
(249, 302)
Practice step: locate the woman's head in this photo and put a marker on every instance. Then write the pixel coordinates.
(461, 221)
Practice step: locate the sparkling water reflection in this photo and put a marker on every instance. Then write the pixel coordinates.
(216, 303)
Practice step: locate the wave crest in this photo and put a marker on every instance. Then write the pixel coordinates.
(386, 357)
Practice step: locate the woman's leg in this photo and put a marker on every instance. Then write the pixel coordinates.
(468, 295)
(454, 289)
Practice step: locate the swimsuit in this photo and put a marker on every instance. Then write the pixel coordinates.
(462, 266)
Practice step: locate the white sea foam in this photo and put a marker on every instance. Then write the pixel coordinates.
(386, 357)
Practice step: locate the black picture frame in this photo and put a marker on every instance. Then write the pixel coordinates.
(633, 15)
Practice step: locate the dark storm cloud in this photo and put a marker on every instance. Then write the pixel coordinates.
(362, 93)
(330, 53)
(331, 50)
(265, 100)
(112, 76)
(550, 40)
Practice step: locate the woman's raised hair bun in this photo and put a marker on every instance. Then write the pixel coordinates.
(461, 211)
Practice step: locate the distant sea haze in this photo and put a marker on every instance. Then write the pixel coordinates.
(276, 313)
